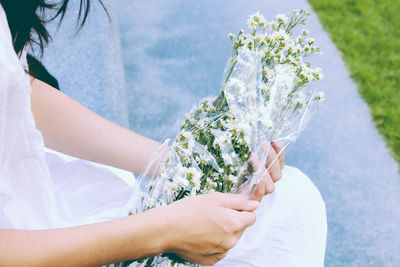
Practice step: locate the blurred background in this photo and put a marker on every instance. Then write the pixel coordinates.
(155, 59)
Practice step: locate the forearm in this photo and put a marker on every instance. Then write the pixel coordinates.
(70, 128)
(133, 237)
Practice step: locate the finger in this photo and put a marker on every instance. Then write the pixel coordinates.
(237, 202)
(247, 218)
(264, 175)
(259, 191)
(269, 186)
(278, 146)
(206, 260)
(212, 259)
(219, 256)
(272, 161)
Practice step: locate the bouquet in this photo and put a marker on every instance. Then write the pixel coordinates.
(264, 98)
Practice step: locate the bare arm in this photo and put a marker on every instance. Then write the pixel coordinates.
(92, 245)
(71, 128)
(218, 224)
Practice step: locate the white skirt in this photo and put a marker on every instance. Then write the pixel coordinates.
(290, 230)
(89, 191)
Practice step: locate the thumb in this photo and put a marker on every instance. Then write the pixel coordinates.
(238, 202)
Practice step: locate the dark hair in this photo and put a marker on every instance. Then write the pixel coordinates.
(27, 19)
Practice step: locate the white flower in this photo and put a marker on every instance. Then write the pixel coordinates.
(251, 23)
(233, 178)
(171, 186)
(266, 121)
(259, 37)
(282, 18)
(261, 20)
(300, 97)
(193, 172)
(194, 175)
(299, 39)
(320, 96)
(236, 86)
(310, 41)
(255, 20)
(220, 138)
(187, 135)
(202, 123)
(280, 36)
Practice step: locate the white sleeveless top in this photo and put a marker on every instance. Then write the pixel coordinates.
(39, 188)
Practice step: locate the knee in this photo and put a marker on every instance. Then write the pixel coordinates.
(296, 198)
(292, 219)
(305, 201)
(298, 186)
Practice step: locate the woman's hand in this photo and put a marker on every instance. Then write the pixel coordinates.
(203, 228)
(268, 178)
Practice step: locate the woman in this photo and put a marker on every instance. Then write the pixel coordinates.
(52, 223)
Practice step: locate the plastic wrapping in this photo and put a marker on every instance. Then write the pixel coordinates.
(263, 100)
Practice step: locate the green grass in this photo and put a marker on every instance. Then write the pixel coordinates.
(367, 32)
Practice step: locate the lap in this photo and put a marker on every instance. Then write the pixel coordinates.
(291, 222)
(90, 192)
(290, 229)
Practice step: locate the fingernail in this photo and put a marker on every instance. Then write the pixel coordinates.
(253, 204)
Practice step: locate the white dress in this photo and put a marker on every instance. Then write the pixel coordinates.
(41, 189)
